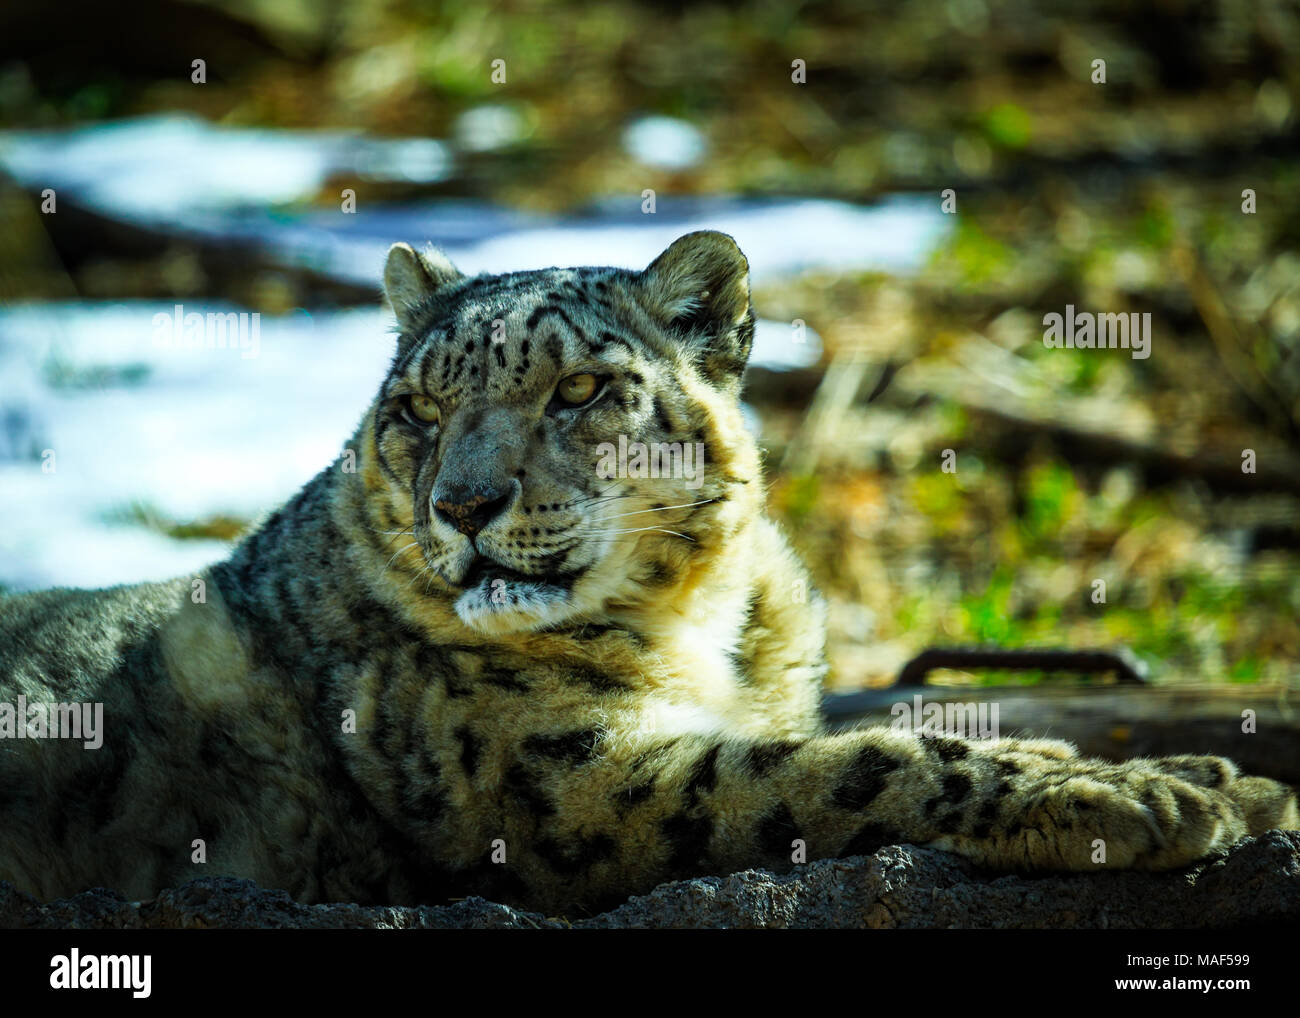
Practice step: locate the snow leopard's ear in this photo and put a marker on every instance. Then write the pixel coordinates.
(411, 278)
(699, 289)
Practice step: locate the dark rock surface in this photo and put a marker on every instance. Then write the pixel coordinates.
(1257, 883)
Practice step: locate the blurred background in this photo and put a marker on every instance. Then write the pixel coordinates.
(525, 134)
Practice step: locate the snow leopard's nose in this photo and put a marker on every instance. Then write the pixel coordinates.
(482, 454)
(470, 511)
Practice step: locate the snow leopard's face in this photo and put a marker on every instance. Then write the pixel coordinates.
(562, 441)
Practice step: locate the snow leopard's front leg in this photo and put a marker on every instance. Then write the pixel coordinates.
(604, 818)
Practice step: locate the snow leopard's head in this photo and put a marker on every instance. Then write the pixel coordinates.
(551, 446)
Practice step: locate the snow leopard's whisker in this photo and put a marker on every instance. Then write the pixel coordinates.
(404, 548)
(427, 569)
(663, 508)
(636, 530)
(392, 535)
(593, 499)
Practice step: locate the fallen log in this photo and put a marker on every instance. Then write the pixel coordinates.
(1256, 725)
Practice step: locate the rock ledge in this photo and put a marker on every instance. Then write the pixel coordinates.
(1257, 883)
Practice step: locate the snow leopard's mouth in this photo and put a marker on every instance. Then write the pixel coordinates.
(484, 570)
(498, 583)
(496, 598)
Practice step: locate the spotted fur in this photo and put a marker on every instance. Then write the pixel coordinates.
(460, 660)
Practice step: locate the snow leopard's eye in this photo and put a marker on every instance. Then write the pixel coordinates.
(422, 408)
(577, 389)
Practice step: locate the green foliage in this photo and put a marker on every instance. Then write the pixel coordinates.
(801, 497)
(976, 256)
(1008, 126)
